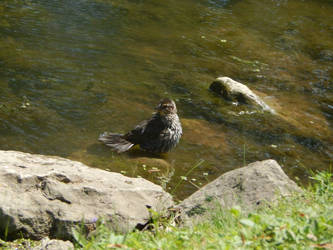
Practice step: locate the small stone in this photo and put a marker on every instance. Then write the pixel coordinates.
(48, 244)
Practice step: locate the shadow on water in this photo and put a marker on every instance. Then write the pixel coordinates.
(70, 70)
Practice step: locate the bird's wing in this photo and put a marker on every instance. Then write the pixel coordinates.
(135, 134)
(146, 130)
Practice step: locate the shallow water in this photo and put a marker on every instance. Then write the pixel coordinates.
(71, 69)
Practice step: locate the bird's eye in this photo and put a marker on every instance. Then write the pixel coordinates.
(167, 106)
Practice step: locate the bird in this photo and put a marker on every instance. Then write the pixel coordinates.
(159, 134)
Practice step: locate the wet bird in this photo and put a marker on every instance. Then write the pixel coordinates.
(159, 134)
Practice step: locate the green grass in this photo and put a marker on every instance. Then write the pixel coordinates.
(302, 221)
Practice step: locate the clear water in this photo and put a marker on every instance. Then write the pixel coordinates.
(71, 69)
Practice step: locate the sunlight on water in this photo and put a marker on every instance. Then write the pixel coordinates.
(70, 70)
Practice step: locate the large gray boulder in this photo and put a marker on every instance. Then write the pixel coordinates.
(46, 196)
(247, 187)
(235, 91)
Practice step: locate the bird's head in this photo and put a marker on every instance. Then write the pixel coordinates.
(166, 107)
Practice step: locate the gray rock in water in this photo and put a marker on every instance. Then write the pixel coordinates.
(48, 244)
(45, 196)
(236, 91)
(246, 187)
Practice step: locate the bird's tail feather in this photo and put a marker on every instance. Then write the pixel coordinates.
(115, 141)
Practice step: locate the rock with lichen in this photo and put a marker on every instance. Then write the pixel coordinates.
(44, 196)
(247, 187)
